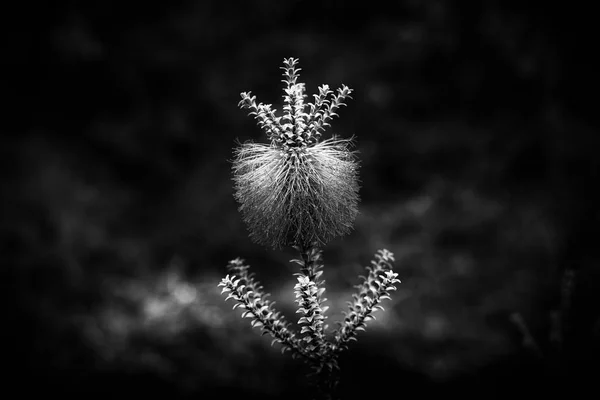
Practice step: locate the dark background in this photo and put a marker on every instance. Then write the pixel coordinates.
(476, 127)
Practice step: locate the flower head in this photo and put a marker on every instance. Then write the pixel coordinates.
(297, 190)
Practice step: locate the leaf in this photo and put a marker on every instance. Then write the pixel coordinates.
(256, 323)
(231, 296)
(262, 309)
(330, 365)
(305, 329)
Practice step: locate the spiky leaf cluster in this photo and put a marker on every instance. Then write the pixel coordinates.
(313, 315)
(376, 286)
(313, 345)
(249, 296)
(301, 123)
(309, 296)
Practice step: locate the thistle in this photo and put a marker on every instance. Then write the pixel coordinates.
(302, 191)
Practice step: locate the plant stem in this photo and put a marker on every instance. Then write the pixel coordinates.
(310, 258)
(324, 363)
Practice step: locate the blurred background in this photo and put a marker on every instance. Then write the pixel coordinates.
(477, 132)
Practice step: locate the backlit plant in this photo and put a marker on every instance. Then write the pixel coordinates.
(301, 191)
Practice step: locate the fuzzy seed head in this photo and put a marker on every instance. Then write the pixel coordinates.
(297, 190)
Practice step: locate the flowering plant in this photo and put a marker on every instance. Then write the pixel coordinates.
(300, 191)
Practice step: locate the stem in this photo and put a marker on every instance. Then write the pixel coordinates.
(325, 363)
(310, 261)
